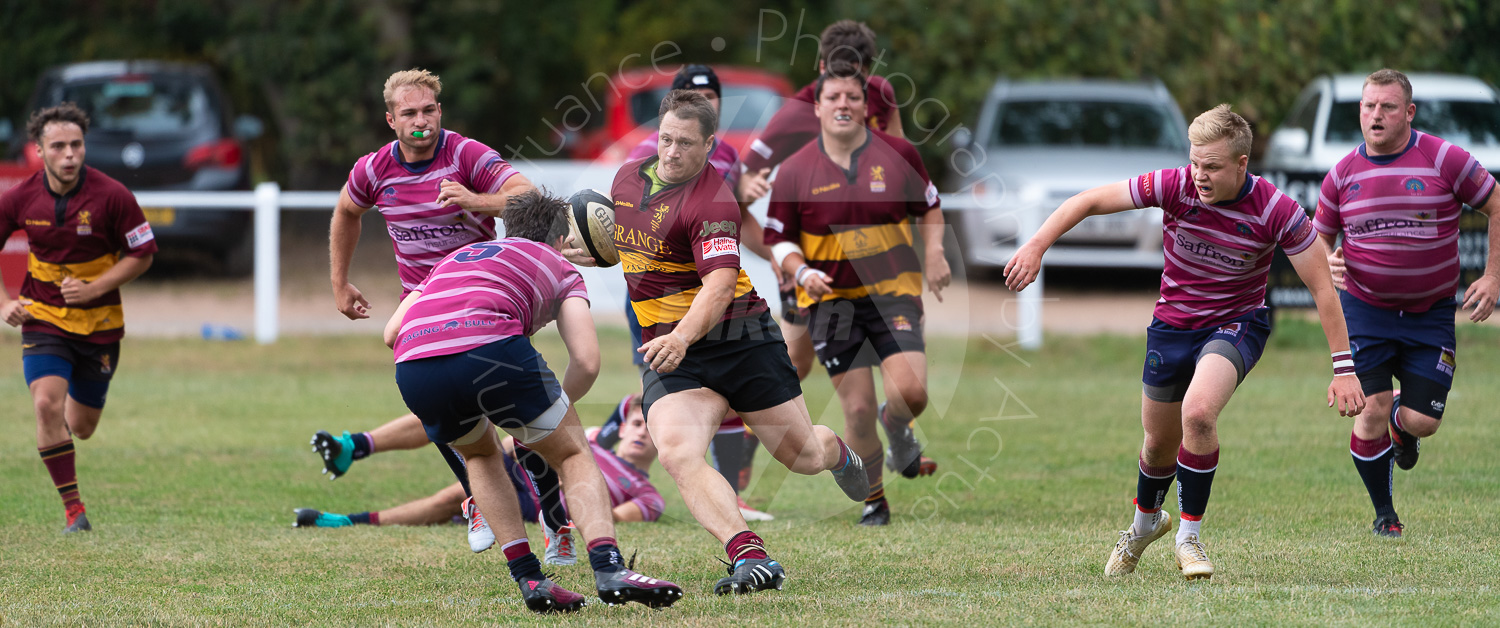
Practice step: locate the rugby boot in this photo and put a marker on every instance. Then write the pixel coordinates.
(748, 575)
(1128, 550)
(903, 453)
(310, 518)
(481, 537)
(337, 452)
(851, 477)
(77, 521)
(625, 585)
(1388, 526)
(1192, 559)
(876, 514)
(544, 596)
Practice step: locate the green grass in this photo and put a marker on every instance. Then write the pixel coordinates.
(203, 454)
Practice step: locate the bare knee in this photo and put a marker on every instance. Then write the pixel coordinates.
(1159, 450)
(1198, 422)
(914, 397)
(1418, 424)
(83, 431)
(49, 407)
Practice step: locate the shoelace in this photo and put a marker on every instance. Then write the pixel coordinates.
(1195, 547)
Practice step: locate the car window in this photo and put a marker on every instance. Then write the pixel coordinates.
(143, 106)
(1087, 123)
(744, 107)
(1468, 123)
(1306, 115)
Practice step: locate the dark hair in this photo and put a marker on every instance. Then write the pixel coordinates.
(536, 215)
(841, 69)
(691, 105)
(1388, 76)
(698, 76)
(66, 112)
(847, 40)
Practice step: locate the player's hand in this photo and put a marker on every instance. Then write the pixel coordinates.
(577, 256)
(15, 312)
(1337, 267)
(938, 274)
(754, 184)
(664, 353)
(816, 285)
(454, 193)
(76, 291)
(1345, 392)
(1481, 296)
(351, 303)
(1023, 267)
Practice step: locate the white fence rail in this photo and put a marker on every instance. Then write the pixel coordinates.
(268, 200)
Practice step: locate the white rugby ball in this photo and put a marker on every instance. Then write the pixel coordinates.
(591, 223)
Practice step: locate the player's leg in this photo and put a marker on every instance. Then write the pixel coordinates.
(1371, 445)
(94, 366)
(543, 489)
(339, 452)
(440, 507)
(566, 450)
(682, 424)
(904, 376)
(1156, 467)
(1428, 358)
(856, 391)
(1198, 457)
(47, 376)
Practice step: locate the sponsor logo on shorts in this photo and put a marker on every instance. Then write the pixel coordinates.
(1232, 329)
(140, 235)
(1437, 406)
(1153, 359)
(1414, 185)
(900, 323)
(104, 366)
(720, 246)
(1447, 361)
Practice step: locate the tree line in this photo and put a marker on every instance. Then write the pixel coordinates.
(313, 69)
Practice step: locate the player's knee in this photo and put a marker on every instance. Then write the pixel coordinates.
(1418, 424)
(914, 397)
(1198, 421)
(82, 432)
(1159, 451)
(48, 406)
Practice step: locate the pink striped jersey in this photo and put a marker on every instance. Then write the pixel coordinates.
(406, 195)
(1399, 215)
(627, 484)
(485, 292)
(1218, 255)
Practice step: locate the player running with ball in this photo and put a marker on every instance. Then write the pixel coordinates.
(1220, 227)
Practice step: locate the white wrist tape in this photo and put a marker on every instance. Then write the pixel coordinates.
(781, 250)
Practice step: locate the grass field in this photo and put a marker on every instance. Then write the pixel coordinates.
(202, 455)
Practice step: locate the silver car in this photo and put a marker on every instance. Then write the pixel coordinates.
(1038, 143)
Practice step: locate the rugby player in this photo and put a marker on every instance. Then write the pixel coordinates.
(438, 191)
(1220, 228)
(465, 366)
(1396, 199)
(840, 225)
(88, 237)
(710, 342)
(623, 451)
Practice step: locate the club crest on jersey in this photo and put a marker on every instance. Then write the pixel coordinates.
(1414, 185)
(657, 214)
(388, 192)
(83, 223)
(1353, 193)
(1243, 228)
(877, 179)
(900, 323)
(1191, 215)
(1447, 361)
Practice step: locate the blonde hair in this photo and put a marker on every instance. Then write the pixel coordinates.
(1388, 76)
(1220, 123)
(414, 77)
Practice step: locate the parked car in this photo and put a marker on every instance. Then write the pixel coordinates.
(1324, 126)
(157, 125)
(633, 98)
(1040, 142)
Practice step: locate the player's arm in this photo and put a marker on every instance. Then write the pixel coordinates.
(343, 235)
(938, 274)
(1482, 293)
(576, 325)
(1311, 265)
(455, 193)
(1024, 266)
(12, 312)
(663, 353)
(894, 126)
(75, 291)
(393, 326)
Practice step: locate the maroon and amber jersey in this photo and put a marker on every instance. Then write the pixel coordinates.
(79, 234)
(670, 240)
(854, 224)
(795, 124)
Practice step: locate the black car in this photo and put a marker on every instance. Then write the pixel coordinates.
(164, 126)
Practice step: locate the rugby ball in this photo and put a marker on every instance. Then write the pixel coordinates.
(591, 223)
